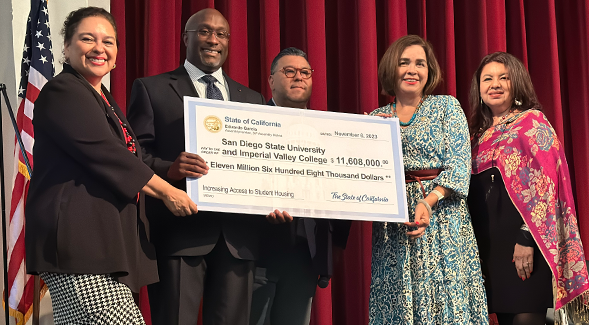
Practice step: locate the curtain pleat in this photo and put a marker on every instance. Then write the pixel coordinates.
(119, 74)
(573, 43)
(161, 35)
(440, 23)
(237, 66)
(345, 39)
(268, 40)
(315, 46)
(544, 68)
(516, 38)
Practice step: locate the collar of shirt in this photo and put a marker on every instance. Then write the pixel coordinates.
(196, 74)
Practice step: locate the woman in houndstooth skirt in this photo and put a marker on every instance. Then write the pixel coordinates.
(86, 231)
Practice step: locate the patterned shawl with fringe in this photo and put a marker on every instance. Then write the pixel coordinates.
(532, 163)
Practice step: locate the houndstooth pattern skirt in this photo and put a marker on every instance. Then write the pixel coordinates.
(90, 299)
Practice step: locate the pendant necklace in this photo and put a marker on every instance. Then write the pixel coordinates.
(414, 113)
(503, 118)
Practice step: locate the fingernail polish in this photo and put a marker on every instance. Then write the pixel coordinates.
(512, 261)
(417, 222)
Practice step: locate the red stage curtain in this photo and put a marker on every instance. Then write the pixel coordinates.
(345, 39)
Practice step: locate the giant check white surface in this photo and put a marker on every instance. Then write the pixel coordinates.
(309, 163)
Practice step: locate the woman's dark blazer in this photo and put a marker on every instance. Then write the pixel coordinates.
(82, 214)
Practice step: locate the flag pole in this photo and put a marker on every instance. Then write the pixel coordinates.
(3, 200)
(2, 193)
(36, 299)
(15, 127)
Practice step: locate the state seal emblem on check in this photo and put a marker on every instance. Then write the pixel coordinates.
(213, 123)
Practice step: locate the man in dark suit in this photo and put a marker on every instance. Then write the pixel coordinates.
(296, 256)
(211, 254)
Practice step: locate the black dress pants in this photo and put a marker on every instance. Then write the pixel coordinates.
(223, 282)
(284, 288)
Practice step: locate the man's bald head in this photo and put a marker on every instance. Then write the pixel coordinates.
(201, 15)
(207, 52)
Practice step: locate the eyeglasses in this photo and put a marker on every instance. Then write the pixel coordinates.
(291, 72)
(206, 33)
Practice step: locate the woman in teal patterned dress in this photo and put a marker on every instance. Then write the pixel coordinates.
(426, 271)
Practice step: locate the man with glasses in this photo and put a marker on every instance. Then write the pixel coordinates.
(291, 79)
(208, 255)
(296, 256)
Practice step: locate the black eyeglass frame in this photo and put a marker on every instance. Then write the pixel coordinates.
(299, 70)
(206, 33)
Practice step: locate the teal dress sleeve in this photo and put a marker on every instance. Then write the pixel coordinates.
(457, 154)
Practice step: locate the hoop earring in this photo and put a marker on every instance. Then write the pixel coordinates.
(517, 102)
(113, 66)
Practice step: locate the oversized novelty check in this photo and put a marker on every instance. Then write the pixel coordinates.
(309, 163)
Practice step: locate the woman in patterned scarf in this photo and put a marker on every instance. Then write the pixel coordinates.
(426, 271)
(521, 199)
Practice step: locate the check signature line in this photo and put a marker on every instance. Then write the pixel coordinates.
(356, 201)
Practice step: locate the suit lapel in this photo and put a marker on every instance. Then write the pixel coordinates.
(114, 114)
(130, 130)
(114, 119)
(111, 118)
(181, 83)
(183, 86)
(236, 93)
(110, 112)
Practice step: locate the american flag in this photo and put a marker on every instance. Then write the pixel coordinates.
(36, 70)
